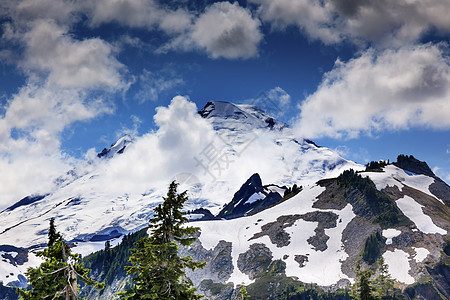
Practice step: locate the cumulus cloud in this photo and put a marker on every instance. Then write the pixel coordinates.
(222, 30)
(67, 81)
(313, 17)
(137, 13)
(385, 22)
(182, 133)
(389, 90)
(227, 30)
(63, 12)
(70, 63)
(30, 155)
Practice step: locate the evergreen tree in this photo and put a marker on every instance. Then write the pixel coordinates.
(362, 289)
(243, 294)
(52, 234)
(56, 277)
(158, 272)
(384, 284)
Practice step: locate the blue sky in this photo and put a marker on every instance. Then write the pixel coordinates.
(370, 79)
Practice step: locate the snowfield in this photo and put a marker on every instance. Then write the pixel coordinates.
(413, 211)
(323, 268)
(394, 176)
(398, 265)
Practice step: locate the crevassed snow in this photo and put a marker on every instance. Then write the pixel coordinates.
(414, 212)
(255, 197)
(323, 268)
(398, 265)
(389, 234)
(420, 254)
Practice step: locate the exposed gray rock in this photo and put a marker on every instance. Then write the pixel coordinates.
(301, 260)
(332, 198)
(278, 236)
(219, 264)
(255, 261)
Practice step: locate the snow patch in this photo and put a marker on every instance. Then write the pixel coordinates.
(420, 254)
(398, 265)
(394, 176)
(389, 234)
(255, 197)
(414, 212)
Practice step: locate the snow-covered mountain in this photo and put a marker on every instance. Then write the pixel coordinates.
(245, 177)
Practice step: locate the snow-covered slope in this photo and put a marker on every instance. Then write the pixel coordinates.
(89, 208)
(319, 236)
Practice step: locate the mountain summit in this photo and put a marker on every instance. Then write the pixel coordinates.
(312, 214)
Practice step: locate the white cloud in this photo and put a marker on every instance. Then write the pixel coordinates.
(137, 13)
(67, 81)
(222, 30)
(153, 84)
(227, 30)
(313, 17)
(30, 155)
(274, 102)
(383, 22)
(70, 63)
(395, 89)
(170, 150)
(63, 12)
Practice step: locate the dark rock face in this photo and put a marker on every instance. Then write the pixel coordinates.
(441, 277)
(441, 190)
(239, 205)
(301, 259)
(219, 263)
(26, 201)
(255, 261)
(19, 259)
(325, 220)
(411, 164)
(332, 198)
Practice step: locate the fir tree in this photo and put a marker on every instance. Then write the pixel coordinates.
(158, 272)
(243, 294)
(56, 277)
(52, 234)
(384, 284)
(362, 289)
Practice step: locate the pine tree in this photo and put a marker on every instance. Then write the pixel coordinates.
(52, 234)
(384, 284)
(362, 289)
(243, 294)
(56, 277)
(158, 272)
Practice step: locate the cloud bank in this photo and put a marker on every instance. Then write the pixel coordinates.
(390, 90)
(384, 23)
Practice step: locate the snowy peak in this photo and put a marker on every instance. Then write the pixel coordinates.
(116, 148)
(226, 115)
(251, 197)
